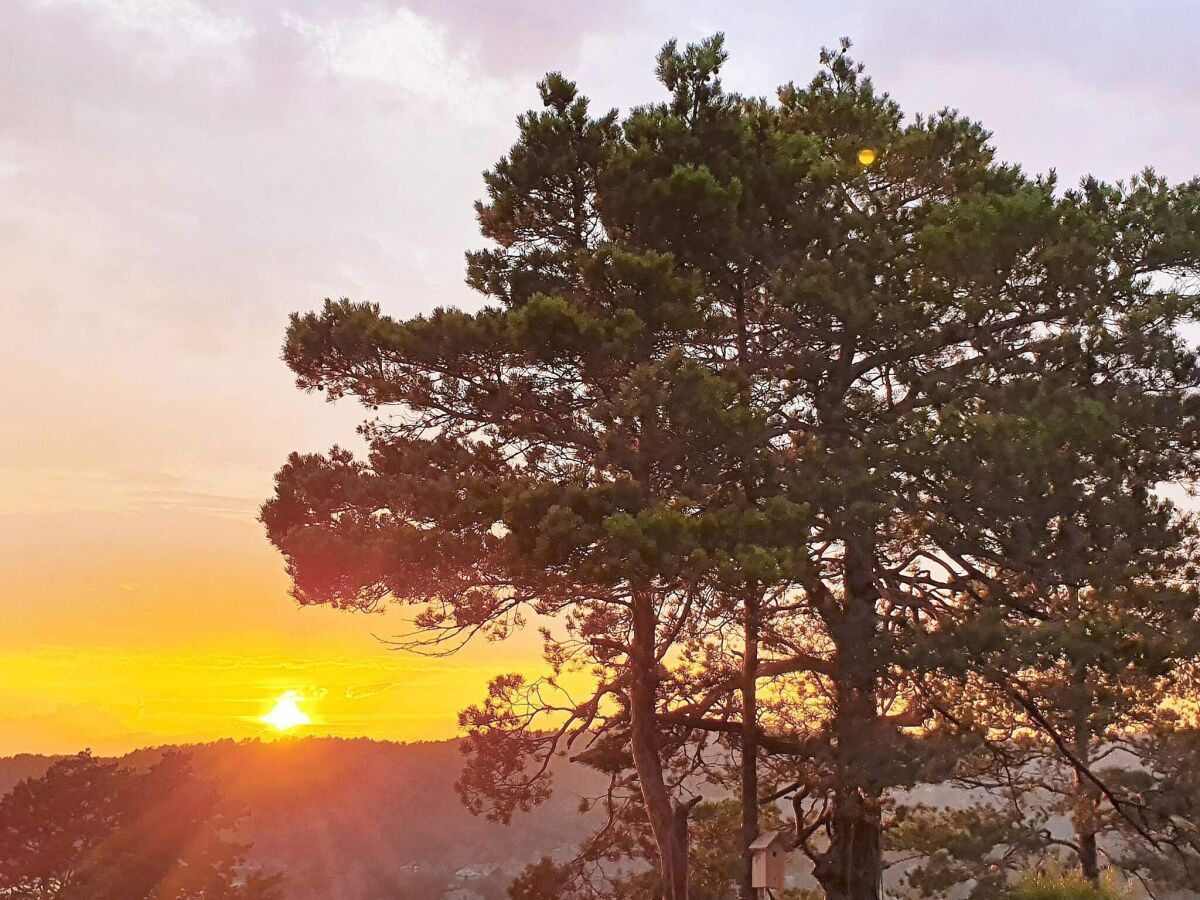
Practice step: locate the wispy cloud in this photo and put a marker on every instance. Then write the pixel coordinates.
(407, 55)
(362, 691)
(177, 19)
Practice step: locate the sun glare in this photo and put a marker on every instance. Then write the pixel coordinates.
(287, 713)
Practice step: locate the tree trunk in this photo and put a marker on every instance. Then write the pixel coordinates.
(1089, 857)
(750, 624)
(852, 866)
(1087, 804)
(749, 746)
(668, 823)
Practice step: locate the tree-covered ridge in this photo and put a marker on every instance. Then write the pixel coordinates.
(746, 417)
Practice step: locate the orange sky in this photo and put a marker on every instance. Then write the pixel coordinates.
(160, 625)
(176, 176)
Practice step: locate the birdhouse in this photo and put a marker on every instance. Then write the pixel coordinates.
(768, 854)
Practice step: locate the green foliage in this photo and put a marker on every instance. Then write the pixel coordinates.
(1060, 884)
(977, 848)
(92, 830)
(715, 861)
(914, 414)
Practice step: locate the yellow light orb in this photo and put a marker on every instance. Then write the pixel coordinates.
(866, 156)
(287, 713)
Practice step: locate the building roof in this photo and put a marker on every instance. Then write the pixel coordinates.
(766, 839)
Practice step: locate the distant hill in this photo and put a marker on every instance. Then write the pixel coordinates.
(23, 765)
(377, 820)
(370, 820)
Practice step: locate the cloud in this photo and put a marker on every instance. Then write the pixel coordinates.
(1093, 42)
(362, 691)
(201, 502)
(177, 19)
(502, 35)
(71, 727)
(402, 52)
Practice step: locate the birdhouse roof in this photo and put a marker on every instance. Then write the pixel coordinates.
(765, 840)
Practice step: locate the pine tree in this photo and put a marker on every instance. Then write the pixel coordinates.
(877, 406)
(1089, 732)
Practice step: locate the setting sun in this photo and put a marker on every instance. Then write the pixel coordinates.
(287, 713)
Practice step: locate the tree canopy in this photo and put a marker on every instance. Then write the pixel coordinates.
(91, 829)
(741, 409)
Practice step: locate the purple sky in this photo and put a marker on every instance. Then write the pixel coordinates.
(176, 176)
